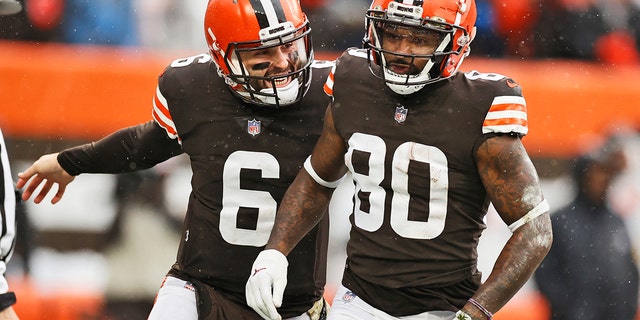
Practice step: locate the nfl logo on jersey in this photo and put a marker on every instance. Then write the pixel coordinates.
(401, 114)
(254, 127)
(348, 297)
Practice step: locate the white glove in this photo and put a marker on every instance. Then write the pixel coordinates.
(460, 315)
(265, 288)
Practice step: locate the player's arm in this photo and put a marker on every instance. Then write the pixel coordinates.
(307, 198)
(552, 279)
(8, 314)
(130, 149)
(302, 207)
(513, 187)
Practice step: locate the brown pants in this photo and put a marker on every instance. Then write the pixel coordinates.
(212, 305)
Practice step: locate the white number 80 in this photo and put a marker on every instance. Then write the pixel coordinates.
(370, 183)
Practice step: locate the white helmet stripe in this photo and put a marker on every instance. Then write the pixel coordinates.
(270, 12)
(458, 18)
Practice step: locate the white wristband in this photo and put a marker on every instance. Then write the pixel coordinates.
(541, 208)
(316, 177)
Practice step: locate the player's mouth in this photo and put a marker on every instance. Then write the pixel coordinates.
(399, 68)
(282, 82)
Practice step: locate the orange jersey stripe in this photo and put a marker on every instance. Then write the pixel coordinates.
(160, 106)
(328, 85)
(508, 107)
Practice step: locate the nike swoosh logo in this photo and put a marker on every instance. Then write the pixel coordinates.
(257, 270)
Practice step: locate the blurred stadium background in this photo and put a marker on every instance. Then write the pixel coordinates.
(102, 252)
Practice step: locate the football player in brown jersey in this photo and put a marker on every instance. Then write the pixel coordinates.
(429, 149)
(247, 114)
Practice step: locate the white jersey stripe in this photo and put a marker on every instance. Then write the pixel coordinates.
(160, 110)
(512, 128)
(492, 115)
(509, 100)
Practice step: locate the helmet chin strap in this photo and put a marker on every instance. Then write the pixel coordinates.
(406, 89)
(285, 95)
(414, 82)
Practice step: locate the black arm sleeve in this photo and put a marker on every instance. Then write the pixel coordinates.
(130, 149)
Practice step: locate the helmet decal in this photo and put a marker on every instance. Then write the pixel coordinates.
(268, 12)
(214, 43)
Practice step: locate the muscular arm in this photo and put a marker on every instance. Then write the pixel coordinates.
(513, 187)
(306, 201)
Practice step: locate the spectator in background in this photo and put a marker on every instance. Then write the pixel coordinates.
(515, 21)
(487, 41)
(634, 20)
(170, 24)
(600, 30)
(589, 272)
(108, 22)
(337, 24)
(39, 21)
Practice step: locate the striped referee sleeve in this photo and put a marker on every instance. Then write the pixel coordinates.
(7, 214)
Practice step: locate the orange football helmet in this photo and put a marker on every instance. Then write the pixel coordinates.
(236, 26)
(453, 21)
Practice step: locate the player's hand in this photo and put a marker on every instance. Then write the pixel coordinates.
(8, 314)
(265, 288)
(47, 170)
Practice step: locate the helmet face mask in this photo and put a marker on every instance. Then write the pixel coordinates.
(273, 72)
(263, 53)
(413, 44)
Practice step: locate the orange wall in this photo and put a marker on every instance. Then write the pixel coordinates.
(56, 91)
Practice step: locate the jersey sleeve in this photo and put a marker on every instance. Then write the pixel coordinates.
(172, 86)
(7, 214)
(328, 85)
(507, 113)
(162, 116)
(129, 149)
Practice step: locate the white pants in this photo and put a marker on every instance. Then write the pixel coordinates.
(347, 306)
(176, 300)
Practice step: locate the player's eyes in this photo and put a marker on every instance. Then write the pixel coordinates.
(393, 36)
